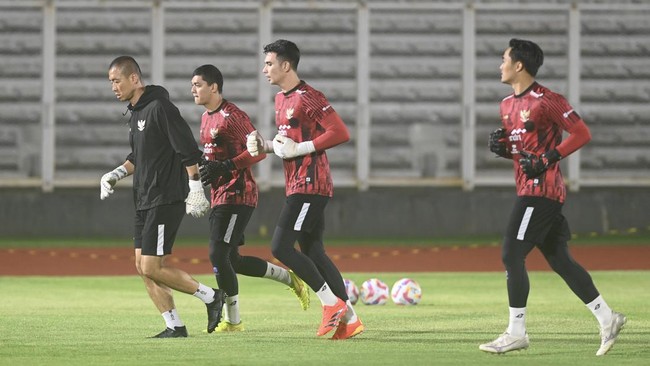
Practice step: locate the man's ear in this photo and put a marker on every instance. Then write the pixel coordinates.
(134, 78)
(519, 66)
(286, 66)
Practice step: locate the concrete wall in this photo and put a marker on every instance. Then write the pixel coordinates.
(386, 212)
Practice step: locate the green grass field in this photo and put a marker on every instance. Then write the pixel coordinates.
(106, 321)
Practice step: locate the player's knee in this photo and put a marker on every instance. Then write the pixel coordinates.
(150, 267)
(559, 265)
(218, 253)
(138, 267)
(510, 256)
(508, 259)
(559, 260)
(235, 261)
(316, 254)
(282, 244)
(279, 252)
(148, 271)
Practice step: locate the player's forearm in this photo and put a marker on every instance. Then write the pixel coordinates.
(130, 168)
(245, 160)
(579, 136)
(193, 171)
(267, 146)
(335, 133)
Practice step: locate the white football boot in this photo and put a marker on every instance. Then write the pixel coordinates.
(505, 343)
(609, 334)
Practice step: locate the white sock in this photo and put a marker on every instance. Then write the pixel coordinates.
(205, 293)
(601, 311)
(277, 273)
(350, 316)
(231, 310)
(172, 319)
(326, 295)
(517, 324)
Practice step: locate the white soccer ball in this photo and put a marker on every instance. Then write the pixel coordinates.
(352, 290)
(406, 292)
(374, 292)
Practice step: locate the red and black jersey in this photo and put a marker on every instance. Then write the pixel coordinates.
(534, 122)
(304, 114)
(223, 136)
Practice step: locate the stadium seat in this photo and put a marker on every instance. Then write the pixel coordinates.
(314, 21)
(20, 20)
(194, 21)
(103, 20)
(14, 157)
(12, 89)
(21, 66)
(433, 22)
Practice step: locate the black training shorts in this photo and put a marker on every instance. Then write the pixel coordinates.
(538, 220)
(228, 222)
(156, 228)
(304, 212)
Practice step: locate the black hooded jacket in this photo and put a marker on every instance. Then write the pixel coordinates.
(162, 145)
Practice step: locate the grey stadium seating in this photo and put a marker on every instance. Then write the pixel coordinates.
(415, 81)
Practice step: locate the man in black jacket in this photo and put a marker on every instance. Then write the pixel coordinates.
(166, 155)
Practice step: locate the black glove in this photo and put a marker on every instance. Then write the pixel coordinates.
(496, 143)
(533, 166)
(210, 170)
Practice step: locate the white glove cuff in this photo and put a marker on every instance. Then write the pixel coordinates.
(195, 185)
(120, 172)
(305, 148)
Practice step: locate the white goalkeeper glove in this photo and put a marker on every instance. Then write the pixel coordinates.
(255, 144)
(286, 148)
(196, 204)
(109, 180)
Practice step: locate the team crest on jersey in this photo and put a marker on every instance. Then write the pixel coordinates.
(524, 115)
(141, 123)
(290, 113)
(214, 132)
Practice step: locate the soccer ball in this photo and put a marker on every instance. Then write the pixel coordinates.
(352, 290)
(374, 292)
(406, 292)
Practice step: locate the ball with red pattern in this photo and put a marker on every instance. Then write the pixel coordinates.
(374, 292)
(406, 292)
(352, 290)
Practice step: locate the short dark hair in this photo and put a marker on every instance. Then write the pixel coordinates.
(528, 53)
(286, 51)
(211, 75)
(127, 66)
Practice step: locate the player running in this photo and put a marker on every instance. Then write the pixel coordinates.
(533, 119)
(227, 170)
(164, 163)
(307, 126)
